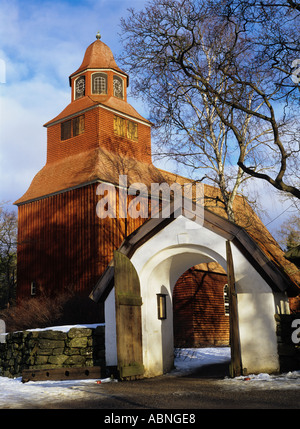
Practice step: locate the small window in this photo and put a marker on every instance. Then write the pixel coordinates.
(80, 87)
(66, 130)
(33, 289)
(78, 125)
(119, 126)
(99, 83)
(118, 87)
(72, 128)
(132, 130)
(226, 300)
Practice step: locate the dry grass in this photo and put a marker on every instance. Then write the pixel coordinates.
(43, 311)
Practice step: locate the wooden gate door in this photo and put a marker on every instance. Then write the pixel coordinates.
(128, 318)
(236, 362)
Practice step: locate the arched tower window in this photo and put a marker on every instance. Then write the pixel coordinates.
(118, 87)
(80, 87)
(99, 83)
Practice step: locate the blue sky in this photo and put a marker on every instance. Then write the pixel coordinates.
(41, 44)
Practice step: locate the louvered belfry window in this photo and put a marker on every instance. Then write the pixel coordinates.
(66, 130)
(119, 126)
(72, 127)
(125, 128)
(78, 125)
(132, 130)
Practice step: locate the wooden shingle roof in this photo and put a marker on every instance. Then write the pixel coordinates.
(100, 165)
(83, 104)
(98, 55)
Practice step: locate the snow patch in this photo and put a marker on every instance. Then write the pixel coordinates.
(188, 359)
(285, 381)
(66, 328)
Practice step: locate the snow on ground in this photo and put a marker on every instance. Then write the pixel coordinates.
(287, 381)
(15, 394)
(187, 360)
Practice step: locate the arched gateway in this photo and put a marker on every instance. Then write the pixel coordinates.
(153, 258)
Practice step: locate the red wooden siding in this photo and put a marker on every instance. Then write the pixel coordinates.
(99, 132)
(63, 244)
(198, 306)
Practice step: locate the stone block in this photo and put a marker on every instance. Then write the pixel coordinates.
(58, 351)
(41, 360)
(78, 342)
(51, 344)
(53, 335)
(77, 360)
(71, 351)
(79, 332)
(57, 360)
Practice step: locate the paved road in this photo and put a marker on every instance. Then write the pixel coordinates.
(202, 390)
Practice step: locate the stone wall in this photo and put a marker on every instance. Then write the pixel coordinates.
(289, 351)
(79, 347)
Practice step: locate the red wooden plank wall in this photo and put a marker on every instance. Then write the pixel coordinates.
(198, 306)
(63, 244)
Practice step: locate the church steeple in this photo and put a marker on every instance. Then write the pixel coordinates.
(99, 116)
(98, 74)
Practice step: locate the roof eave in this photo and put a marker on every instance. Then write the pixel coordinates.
(278, 281)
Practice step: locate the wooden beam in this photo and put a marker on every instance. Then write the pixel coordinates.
(236, 362)
(70, 373)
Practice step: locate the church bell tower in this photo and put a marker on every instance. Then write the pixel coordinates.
(63, 245)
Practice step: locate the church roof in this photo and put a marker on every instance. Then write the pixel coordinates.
(272, 273)
(76, 107)
(98, 55)
(104, 166)
(87, 167)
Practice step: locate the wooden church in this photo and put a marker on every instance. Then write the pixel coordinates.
(64, 246)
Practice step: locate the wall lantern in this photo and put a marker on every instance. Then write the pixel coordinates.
(161, 306)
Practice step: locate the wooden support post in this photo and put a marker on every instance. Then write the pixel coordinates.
(236, 362)
(128, 318)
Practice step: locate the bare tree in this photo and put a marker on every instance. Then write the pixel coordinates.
(271, 41)
(8, 255)
(289, 233)
(195, 62)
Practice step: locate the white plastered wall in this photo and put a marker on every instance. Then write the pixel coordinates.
(160, 262)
